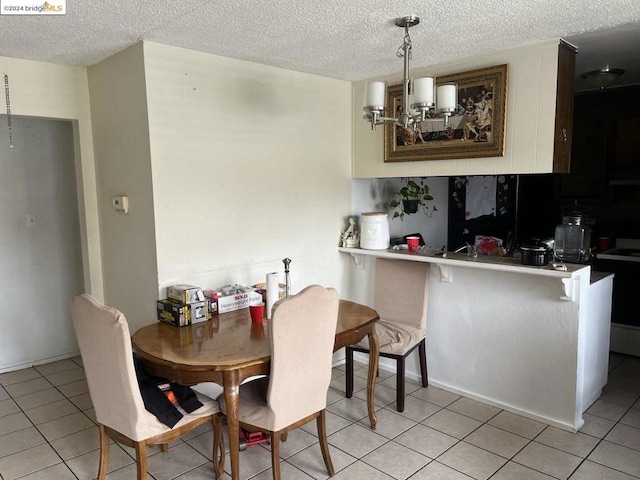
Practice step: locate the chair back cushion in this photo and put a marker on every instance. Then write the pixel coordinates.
(105, 346)
(303, 329)
(401, 292)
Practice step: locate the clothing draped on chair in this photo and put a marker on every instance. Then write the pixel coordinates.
(107, 357)
(303, 329)
(400, 298)
(157, 402)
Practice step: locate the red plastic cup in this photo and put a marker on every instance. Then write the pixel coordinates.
(604, 243)
(257, 312)
(412, 243)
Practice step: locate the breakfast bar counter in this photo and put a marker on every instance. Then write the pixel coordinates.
(530, 340)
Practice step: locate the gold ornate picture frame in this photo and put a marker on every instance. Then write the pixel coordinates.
(477, 129)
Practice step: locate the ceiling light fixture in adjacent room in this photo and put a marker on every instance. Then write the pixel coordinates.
(602, 77)
(419, 95)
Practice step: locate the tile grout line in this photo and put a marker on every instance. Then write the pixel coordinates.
(46, 441)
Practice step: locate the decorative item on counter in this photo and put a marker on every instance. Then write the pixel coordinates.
(488, 245)
(350, 238)
(572, 239)
(273, 291)
(412, 198)
(375, 231)
(287, 279)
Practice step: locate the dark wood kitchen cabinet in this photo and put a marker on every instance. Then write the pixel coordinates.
(588, 176)
(605, 162)
(564, 108)
(605, 150)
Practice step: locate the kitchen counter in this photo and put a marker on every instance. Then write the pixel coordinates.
(481, 261)
(530, 340)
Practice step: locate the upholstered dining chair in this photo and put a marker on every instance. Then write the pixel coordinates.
(302, 334)
(107, 357)
(400, 298)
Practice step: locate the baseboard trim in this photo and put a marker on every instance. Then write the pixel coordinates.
(35, 363)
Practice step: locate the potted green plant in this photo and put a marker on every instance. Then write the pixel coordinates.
(412, 198)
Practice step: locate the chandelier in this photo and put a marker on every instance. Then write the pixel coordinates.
(419, 98)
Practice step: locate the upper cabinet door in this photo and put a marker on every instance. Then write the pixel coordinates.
(564, 108)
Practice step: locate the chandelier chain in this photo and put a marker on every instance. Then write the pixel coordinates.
(406, 43)
(8, 102)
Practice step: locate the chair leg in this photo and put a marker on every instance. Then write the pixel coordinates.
(349, 368)
(283, 436)
(141, 460)
(218, 447)
(423, 363)
(275, 455)
(164, 447)
(324, 445)
(400, 384)
(104, 453)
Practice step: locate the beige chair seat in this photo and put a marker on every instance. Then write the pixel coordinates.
(394, 338)
(252, 405)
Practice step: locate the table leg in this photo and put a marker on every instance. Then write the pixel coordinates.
(231, 386)
(374, 352)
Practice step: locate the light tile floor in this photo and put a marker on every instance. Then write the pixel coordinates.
(48, 431)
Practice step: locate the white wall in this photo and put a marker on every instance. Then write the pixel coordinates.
(530, 119)
(226, 170)
(46, 90)
(49, 91)
(250, 164)
(123, 166)
(40, 262)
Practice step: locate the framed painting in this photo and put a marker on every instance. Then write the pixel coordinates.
(476, 129)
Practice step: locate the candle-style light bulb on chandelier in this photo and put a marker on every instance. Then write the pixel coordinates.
(419, 98)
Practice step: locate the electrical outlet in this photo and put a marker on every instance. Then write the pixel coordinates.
(31, 221)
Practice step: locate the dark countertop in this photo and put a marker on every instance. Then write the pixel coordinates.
(597, 276)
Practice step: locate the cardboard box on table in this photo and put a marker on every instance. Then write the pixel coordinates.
(182, 314)
(231, 298)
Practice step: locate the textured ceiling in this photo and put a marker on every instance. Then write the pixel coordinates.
(345, 39)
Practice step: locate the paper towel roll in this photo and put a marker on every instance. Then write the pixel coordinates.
(273, 291)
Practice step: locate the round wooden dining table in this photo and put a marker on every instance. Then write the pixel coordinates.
(230, 348)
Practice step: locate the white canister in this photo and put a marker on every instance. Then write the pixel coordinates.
(374, 231)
